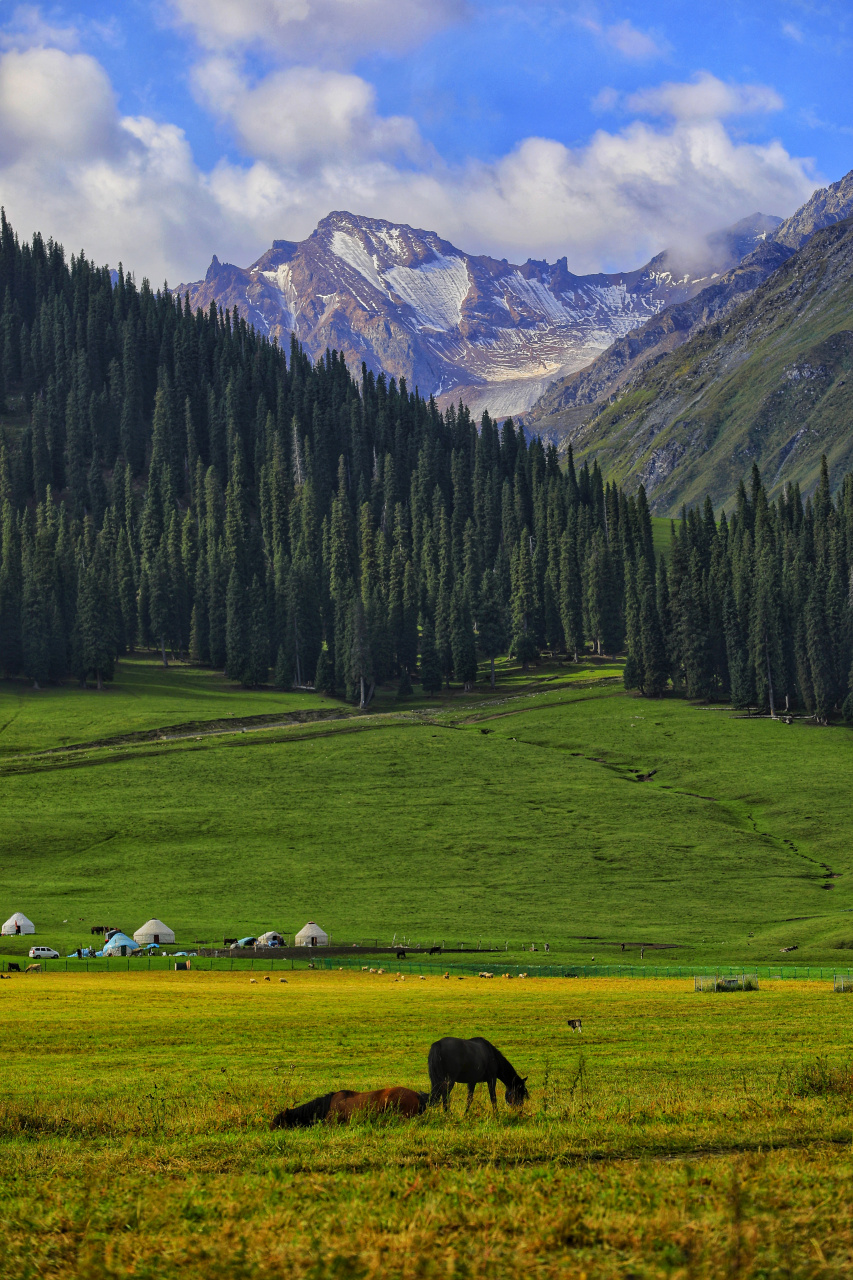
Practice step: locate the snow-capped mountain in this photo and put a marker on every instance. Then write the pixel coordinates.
(411, 305)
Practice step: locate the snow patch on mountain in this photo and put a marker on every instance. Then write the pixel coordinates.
(354, 254)
(434, 290)
(538, 297)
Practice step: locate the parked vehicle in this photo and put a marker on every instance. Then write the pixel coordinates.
(43, 953)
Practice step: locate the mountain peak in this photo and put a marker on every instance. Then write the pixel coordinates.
(409, 303)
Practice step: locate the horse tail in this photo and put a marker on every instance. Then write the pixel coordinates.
(305, 1115)
(435, 1064)
(437, 1073)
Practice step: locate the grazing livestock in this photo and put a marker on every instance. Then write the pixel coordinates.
(33, 968)
(401, 955)
(453, 1061)
(435, 951)
(484, 974)
(13, 968)
(343, 1105)
(575, 1024)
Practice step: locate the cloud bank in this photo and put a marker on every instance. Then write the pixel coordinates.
(311, 139)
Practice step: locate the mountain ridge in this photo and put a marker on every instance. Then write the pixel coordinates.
(569, 403)
(409, 303)
(768, 382)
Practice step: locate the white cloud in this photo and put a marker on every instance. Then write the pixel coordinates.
(606, 99)
(73, 168)
(129, 188)
(705, 98)
(626, 39)
(304, 115)
(55, 104)
(323, 30)
(611, 204)
(793, 32)
(632, 43)
(27, 28)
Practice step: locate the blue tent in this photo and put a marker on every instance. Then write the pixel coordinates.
(120, 945)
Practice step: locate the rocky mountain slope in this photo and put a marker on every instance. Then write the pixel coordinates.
(769, 382)
(455, 325)
(573, 400)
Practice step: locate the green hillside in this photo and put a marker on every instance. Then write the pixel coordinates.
(768, 384)
(560, 809)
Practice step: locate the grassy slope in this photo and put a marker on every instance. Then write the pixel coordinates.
(682, 1135)
(727, 397)
(419, 823)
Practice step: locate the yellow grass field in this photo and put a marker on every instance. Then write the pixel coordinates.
(680, 1135)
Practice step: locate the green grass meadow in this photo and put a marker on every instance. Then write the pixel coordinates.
(557, 810)
(679, 1135)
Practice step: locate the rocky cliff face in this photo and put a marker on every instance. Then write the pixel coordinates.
(572, 400)
(411, 305)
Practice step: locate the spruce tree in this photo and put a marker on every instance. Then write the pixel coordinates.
(655, 665)
(237, 658)
(430, 666)
(324, 677)
(257, 667)
(283, 676)
(491, 622)
(462, 641)
(361, 659)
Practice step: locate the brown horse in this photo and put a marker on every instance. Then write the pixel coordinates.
(340, 1107)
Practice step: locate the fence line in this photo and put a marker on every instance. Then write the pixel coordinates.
(206, 964)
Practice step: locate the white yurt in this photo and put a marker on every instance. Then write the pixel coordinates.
(270, 939)
(10, 928)
(119, 945)
(154, 931)
(312, 936)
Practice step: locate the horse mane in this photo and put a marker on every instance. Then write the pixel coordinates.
(303, 1116)
(502, 1063)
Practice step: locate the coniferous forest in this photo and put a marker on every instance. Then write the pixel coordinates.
(175, 481)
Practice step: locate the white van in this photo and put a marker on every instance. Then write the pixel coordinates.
(43, 953)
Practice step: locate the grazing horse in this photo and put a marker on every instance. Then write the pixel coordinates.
(435, 951)
(471, 1062)
(343, 1105)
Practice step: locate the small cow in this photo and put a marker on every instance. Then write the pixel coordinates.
(13, 968)
(575, 1024)
(435, 951)
(229, 942)
(33, 968)
(401, 955)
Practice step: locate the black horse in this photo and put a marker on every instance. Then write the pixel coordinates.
(471, 1062)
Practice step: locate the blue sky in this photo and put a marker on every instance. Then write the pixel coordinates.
(160, 132)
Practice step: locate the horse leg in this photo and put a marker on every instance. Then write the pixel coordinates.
(493, 1095)
(471, 1088)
